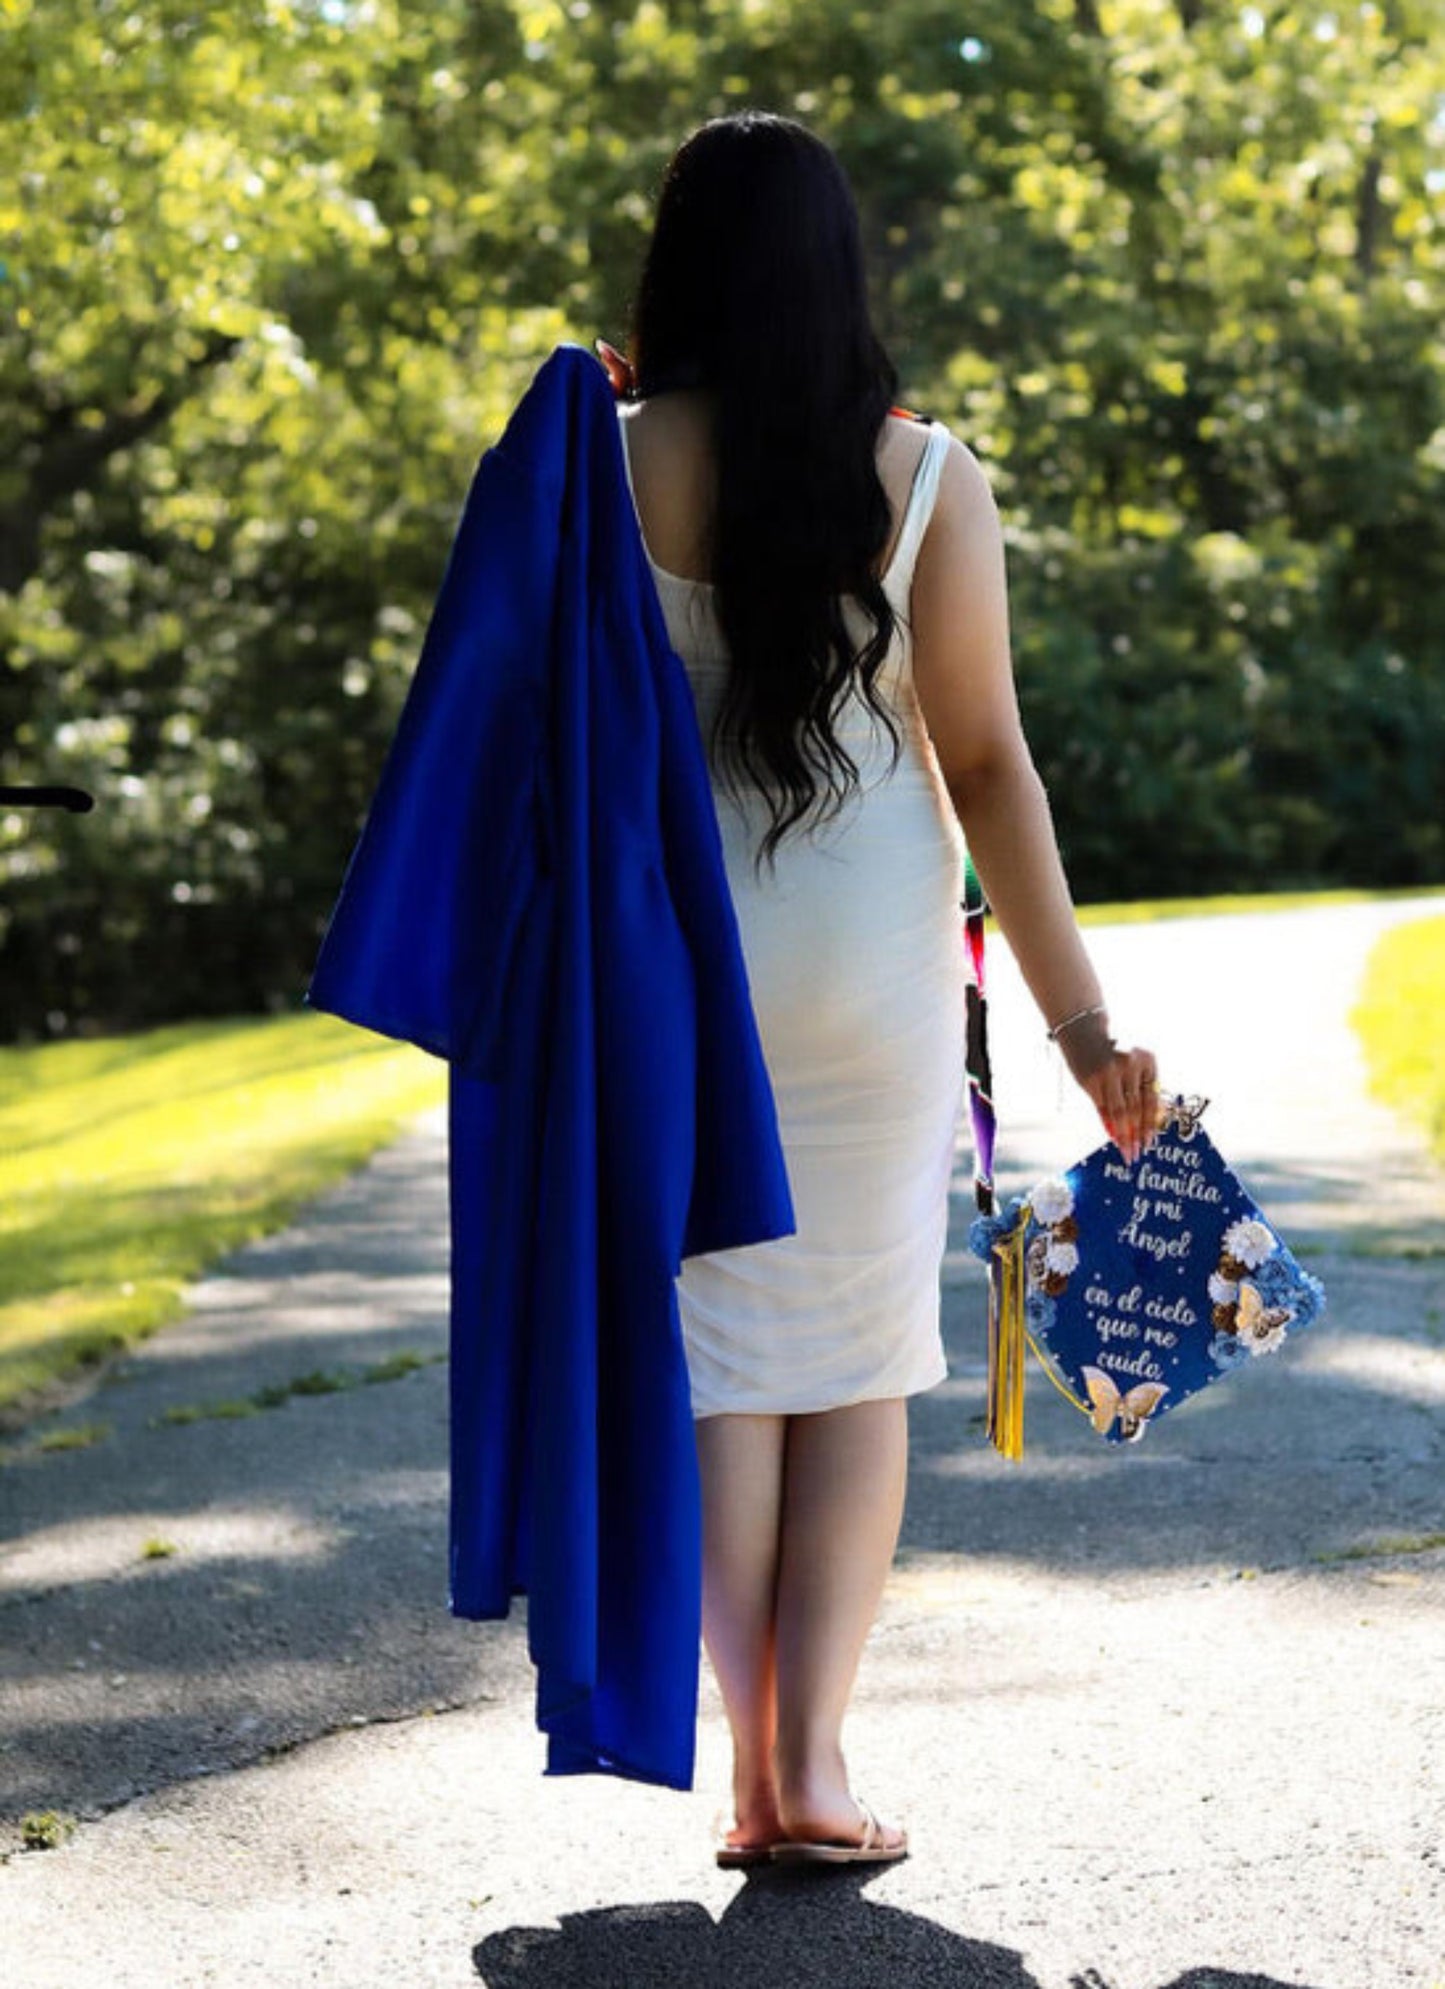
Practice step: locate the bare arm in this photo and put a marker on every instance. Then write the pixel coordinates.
(963, 673)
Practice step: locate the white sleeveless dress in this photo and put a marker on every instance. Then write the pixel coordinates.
(855, 960)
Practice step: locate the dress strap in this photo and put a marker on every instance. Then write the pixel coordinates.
(919, 508)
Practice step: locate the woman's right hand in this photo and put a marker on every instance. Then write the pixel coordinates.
(1123, 1085)
(619, 368)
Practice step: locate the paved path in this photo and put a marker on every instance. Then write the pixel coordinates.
(1167, 1716)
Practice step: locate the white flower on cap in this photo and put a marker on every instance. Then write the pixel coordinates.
(1249, 1242)
(1052, 1200)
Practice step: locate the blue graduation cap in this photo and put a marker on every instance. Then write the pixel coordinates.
(1135, 1286)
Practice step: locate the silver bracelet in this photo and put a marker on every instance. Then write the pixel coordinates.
(1079, 1015)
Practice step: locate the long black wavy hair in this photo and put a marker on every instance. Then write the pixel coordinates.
(753, 288)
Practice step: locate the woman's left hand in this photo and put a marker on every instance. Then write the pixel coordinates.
(1123, 1085)
(1125, 1093)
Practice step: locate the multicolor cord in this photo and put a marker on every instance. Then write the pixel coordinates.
(1006, 1329)
(976, 1060)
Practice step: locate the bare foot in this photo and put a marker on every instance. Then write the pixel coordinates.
(755, 1815)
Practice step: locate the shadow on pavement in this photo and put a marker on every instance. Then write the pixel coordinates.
(790, 1930)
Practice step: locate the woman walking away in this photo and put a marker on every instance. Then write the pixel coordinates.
(832, 576)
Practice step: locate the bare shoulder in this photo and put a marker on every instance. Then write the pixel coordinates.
(679, 412)
(903, 437)
(964, 490)
(962, 665)
(965, 522)
(668, 443)
(964, 477)
(901, 443)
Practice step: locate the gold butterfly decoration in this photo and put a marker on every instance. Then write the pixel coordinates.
(1257, 1321)
(1183, 1114)
(1140, 1402)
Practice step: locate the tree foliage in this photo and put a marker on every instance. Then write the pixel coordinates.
(274, 272)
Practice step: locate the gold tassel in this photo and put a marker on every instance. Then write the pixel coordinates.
(1006, 1342)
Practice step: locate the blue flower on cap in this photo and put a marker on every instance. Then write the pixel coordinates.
(1228, 1350)
(1281, 1283)
(1308, 1300)
(987, 1230)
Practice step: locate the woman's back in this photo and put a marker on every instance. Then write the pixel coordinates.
(667, 448)
(670, 458)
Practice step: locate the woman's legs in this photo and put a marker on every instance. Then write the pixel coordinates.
(800, 1522)
(741, 1462)
(844, 1478)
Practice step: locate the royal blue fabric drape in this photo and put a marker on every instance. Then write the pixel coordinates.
(538, 896)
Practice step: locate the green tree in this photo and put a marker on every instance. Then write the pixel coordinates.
(275, 273)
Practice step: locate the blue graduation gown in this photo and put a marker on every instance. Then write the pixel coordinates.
(538, 896)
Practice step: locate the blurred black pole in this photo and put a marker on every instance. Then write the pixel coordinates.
(74, 798)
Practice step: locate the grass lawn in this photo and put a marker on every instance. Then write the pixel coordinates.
(1399, 1021)
(1145, 911)
(128, 1164)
